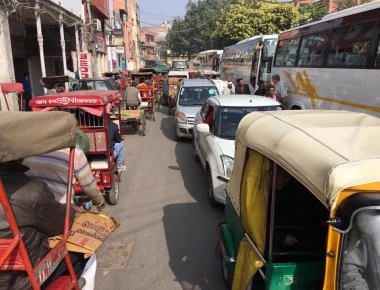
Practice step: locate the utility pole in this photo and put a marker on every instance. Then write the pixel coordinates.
(91, 39)
(126, 35)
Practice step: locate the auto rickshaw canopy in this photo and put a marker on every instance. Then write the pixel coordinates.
(24, 134)
(95, 102)
(327, 151)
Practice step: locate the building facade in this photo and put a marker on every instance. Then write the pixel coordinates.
(37, 38)
(154, 46)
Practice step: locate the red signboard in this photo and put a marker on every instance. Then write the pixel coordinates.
(85, 65)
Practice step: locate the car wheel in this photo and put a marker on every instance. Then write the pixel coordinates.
(210, 184)
(195, 154)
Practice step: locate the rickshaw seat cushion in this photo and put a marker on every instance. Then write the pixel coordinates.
(144, 105)
(99, 164)
(61, 282)
(14, 258)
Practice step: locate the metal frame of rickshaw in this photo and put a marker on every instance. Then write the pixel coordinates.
(13, 252)
(8, 88)
(149, 96)
(358, 178)
(95, 127)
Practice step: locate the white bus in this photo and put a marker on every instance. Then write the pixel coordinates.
(206, 60)
(249, 59)
(333, 63)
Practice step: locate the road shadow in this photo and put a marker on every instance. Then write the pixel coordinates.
(191, 240)
(167, 127)
(190, 228)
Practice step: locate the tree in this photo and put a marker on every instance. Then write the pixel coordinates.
(313, 12)
(240, 21)
(344, 4)
(191, 34)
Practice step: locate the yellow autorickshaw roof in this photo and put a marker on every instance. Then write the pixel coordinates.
(327, 151)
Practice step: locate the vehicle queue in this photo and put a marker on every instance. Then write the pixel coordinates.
(285, 176)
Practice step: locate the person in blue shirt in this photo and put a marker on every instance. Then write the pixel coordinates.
(27, 90)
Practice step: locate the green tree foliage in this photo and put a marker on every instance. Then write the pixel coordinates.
(311, 13)
(240, 21)
(344, 4)
(210, 24)
(191, 33)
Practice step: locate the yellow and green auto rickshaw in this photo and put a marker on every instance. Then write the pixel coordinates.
(303, 202)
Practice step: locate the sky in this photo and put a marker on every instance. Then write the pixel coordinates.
(156, 11)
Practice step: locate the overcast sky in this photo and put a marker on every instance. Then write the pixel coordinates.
(157, 11)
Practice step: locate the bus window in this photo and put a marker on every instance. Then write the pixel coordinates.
(350, 46)
(312, 48)
(377, 59)
(286, 52)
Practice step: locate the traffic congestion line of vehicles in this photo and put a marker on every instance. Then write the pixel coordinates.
(330, 64)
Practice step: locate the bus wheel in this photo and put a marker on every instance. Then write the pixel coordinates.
(296, 108)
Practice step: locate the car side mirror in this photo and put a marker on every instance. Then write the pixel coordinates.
(203, 128)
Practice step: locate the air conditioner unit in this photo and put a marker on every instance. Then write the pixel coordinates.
(97, 24)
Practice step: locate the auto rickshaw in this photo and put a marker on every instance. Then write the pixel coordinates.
(171, 87)
(59, 134)
(59, 84)
(10, 88)
(91, 109)
(303, 202)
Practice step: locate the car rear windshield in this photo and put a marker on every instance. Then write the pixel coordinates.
(93, 85)
(196, 96)
(230, 117)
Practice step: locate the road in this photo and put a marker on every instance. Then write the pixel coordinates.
(167, 237)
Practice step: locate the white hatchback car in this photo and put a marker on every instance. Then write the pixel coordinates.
(214, 136)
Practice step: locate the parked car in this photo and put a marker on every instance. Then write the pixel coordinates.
(191, 95)
(104, 84)
(214, 143)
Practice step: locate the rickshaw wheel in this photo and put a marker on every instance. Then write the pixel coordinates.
(113, 194)
(211, 197)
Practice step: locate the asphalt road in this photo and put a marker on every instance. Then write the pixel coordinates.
(167, 237)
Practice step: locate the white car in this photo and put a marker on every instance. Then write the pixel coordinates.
(192, 94)
(214, 137)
